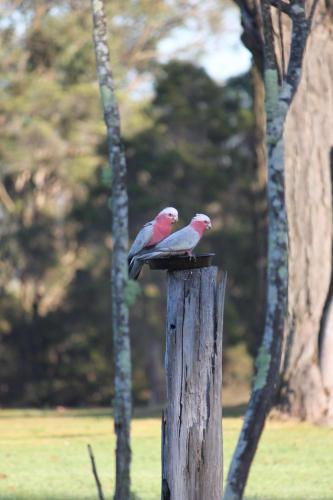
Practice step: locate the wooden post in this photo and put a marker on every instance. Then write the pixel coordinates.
(192, 466)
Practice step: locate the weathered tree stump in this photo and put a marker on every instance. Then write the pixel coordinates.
(192, 464)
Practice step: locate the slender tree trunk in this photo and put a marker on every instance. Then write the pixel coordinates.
(278, 102)
(119, 277)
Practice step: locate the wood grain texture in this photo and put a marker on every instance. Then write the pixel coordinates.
(192, 424)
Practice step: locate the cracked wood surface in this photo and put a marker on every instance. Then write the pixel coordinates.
(192, 426)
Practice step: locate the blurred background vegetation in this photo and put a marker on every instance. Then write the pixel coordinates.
(189, 143)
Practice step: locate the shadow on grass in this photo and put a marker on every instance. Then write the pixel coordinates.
(230, 411)
(10, 413)
(23, 496)
(234, 411)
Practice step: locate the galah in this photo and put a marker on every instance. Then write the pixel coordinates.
(181, 242)
(152, 233)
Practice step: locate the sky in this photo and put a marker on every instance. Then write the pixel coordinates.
(222, 55)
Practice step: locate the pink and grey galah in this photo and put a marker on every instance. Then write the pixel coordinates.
(179, 243)
(152, 233)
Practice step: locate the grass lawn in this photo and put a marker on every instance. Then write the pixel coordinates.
(43, 456)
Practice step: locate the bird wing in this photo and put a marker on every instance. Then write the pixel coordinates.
(179, 242)
(141, 240)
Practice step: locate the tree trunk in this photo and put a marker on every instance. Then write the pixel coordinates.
(308, 142)
(192, 426)
(119, 276)
(278, 100)
(260, 202)
(308, 138)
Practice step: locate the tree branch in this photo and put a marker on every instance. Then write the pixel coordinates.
(281, 37)
(269, 50)
(6, 199)
(251, 36)
(312, 12)
(95, 473)
(282, 6)
(299, 35)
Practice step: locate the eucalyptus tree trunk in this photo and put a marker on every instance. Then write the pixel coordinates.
(305, 391)
(307, 377)
(119, 276)
(279, 95)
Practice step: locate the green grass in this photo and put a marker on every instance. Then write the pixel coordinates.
(43, 456)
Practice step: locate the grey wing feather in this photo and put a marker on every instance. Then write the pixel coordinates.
(141, 240)
(180, 241)
(177, 243)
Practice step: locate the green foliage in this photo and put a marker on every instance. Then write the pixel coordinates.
(133, 290)
(197, 155)
(190, 146)
(106, 176)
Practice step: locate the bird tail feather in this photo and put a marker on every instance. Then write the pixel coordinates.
(134, 268)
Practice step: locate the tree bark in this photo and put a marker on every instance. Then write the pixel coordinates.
(278, 101)
(119, 276)
(260, 202)
(192, 424)
(326, 356)
(305, 391)
(308, 142)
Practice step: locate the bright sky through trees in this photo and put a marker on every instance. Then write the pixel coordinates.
(221, 54)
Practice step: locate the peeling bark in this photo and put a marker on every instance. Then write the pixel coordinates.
(192, 426)
(119, 276)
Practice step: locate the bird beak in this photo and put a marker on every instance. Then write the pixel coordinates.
(209, 225)
(174, 219)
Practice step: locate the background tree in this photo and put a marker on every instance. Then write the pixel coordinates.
(201, 157)
(54, 308)
(309, 140)
(281, 86)
(306, 381)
